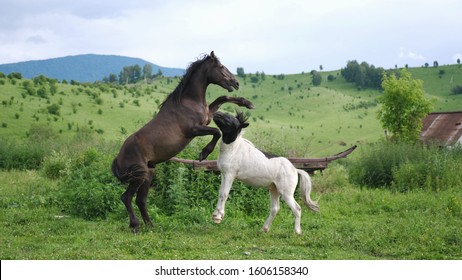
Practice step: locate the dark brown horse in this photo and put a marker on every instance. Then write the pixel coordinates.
(182, 116)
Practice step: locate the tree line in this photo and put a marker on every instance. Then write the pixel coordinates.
(363, 75)
(132, 74)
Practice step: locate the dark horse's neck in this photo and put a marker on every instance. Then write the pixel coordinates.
(193, 84)
(196, 86)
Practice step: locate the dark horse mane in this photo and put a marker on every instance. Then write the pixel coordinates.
(175, 96)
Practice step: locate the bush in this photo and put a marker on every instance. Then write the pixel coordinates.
(332, 179)
(54, 109)
(179, 190)
(89, 190)
(15, 154)
(440, 170)
(405, 167)
(457, 90)
(55, 165)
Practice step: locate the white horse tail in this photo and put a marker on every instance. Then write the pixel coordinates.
(305, 190)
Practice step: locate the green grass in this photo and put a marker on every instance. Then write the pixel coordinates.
(291, 115)
(352, 224)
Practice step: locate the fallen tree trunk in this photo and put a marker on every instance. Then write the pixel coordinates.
(308, 164)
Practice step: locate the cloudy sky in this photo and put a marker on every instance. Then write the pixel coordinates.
(273, 36)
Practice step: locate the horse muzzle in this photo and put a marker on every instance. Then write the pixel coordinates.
(233, 85)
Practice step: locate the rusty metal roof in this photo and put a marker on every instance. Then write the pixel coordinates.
(442, 127)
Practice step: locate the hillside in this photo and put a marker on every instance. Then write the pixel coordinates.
(82, 68)
(292, 117)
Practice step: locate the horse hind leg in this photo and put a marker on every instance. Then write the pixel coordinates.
(127, 198)
(296, 210)
(274, 199)
(136, 178)
(141, 200)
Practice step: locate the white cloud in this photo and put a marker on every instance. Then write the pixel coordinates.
(405, 54)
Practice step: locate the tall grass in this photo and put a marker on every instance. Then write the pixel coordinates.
(405, 167)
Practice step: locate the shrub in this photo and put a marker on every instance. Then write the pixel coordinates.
(405, 167)
(15, 154)
(55, 165)
(375, 165)
(439, 170)
(332, 179)
(178, 190)
(89, 190)
(39, 133)
(457, 90)
(54, 109)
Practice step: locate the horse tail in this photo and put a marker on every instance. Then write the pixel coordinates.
(116, 171)
(305, 190)
(133, 172)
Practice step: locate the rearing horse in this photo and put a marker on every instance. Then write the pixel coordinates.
(182, 116)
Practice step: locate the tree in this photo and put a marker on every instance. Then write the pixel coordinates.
(363, 75)
(15, 75)
(403, 106)
(124, 76)
(147, 71)
(240, 72)
(136, 74)
(112, 78)
(316, 78)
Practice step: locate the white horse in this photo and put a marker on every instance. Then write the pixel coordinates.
(239, 159)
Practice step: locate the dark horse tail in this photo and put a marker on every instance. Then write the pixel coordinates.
(133, 172)
(117, 173)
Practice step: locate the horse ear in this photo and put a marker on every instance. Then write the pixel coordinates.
(212, 55)
(244, 125)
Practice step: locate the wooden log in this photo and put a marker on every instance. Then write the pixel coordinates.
(308, 164)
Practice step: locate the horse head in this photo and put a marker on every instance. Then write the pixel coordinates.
(220, 75)
(229, 125)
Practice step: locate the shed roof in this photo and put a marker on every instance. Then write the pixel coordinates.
(442, 127)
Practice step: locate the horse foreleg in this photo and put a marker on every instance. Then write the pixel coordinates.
(274, 199)
(225, 187)
(240, 101)
(202, 130)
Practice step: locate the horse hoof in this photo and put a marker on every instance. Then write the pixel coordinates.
(203, 155)
(250, 106)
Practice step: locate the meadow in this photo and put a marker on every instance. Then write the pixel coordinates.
(60, 201)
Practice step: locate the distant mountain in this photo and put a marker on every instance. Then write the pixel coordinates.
(82, 68)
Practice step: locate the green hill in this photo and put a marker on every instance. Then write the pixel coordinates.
(292, 117)
(82, 68)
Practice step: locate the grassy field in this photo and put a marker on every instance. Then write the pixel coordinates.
(291, 114)
(352, 224)
(292, 117)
